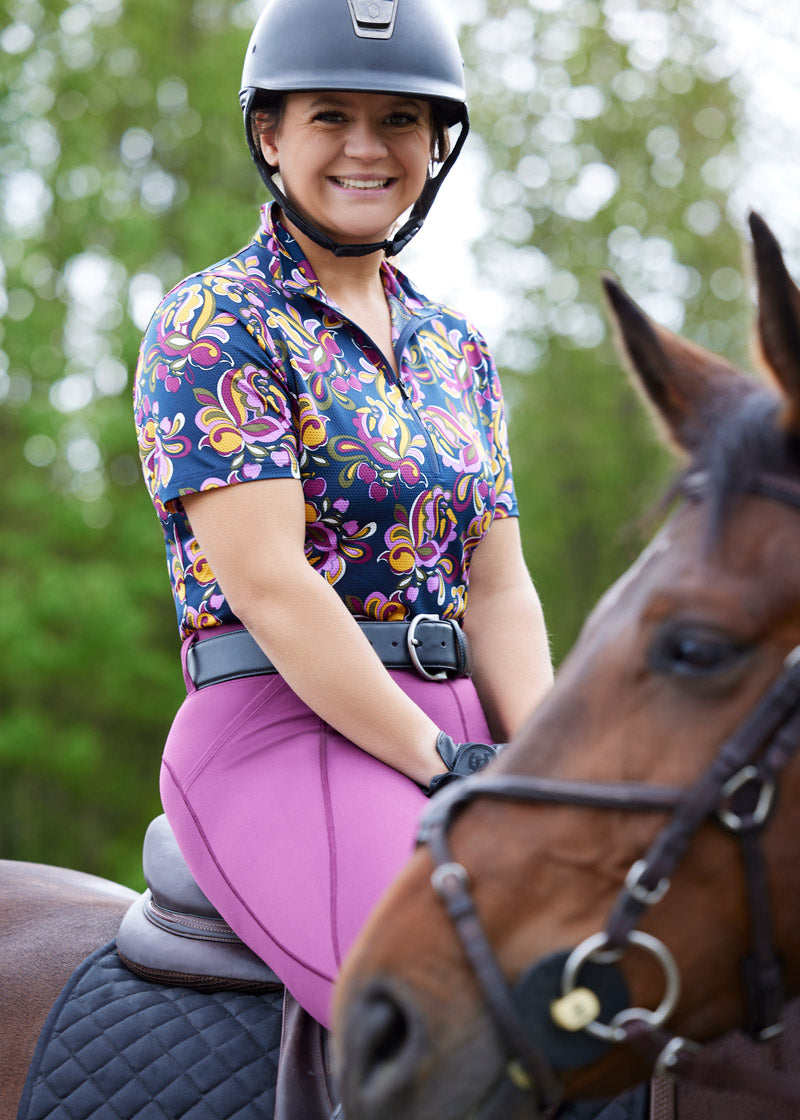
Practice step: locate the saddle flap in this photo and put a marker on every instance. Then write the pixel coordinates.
(152, 952)
(172, 934)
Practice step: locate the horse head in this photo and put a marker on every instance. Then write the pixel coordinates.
(665, 711)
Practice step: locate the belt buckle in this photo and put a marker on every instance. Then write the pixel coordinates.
(412, 641)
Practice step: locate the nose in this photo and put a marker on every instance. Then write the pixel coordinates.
(383, 1043)
(364, 142)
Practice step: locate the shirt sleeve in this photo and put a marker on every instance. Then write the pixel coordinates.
(212, 405)
(494, 420)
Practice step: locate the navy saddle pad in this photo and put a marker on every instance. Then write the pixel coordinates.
(115, 1047)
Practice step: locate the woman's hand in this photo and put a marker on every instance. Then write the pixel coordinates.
(461, 759)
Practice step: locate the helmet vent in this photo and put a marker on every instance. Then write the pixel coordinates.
(373, 19)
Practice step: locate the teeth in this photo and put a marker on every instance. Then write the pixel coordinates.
(363, 184)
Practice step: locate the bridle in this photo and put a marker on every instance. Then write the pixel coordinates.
(582, 990)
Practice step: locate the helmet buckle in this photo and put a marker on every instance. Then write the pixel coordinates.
(373, 19)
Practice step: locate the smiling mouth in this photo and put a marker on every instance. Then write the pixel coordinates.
(362, 184)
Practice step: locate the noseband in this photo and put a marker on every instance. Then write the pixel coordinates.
(555, 1018)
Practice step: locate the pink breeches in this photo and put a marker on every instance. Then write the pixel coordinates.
(291, 831)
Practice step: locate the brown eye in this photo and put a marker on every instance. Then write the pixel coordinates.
(691, 650)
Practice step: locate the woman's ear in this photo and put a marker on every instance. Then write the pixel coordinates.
(265, 132)
(267, 141)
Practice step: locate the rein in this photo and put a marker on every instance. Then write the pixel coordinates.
(543, 1036)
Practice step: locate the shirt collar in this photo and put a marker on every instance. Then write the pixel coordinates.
(288, 267)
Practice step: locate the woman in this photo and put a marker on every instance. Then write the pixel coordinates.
(326, 450)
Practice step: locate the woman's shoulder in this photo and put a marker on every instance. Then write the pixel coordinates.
(242, 277)
(435, 309)
(211, 320)
(236, 286)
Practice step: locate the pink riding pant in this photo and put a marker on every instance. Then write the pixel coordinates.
(291, 831)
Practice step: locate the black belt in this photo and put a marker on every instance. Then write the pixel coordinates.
(435, 648)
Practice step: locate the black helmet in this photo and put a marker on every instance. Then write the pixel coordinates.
(374, 46)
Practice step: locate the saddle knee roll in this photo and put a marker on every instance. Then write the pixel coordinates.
(173, 935)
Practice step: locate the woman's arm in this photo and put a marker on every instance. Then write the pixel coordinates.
(512, 668)
(253, 536)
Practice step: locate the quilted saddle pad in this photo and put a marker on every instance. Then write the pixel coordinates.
(115, 1047)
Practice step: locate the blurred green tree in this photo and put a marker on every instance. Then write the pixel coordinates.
(608, 141)
(122, 167)
(609, 135)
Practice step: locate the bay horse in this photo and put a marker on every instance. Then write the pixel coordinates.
(51, 919)
(531, 952)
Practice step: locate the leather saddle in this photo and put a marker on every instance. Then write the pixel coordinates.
(172, 935)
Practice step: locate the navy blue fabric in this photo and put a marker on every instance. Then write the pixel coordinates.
(632, 1105)
(115, 1047)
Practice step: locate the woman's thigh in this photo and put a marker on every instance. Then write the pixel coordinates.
(291, 830)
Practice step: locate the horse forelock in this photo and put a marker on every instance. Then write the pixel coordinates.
(747, 442)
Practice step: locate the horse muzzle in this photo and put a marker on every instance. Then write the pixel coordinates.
(393, 1066)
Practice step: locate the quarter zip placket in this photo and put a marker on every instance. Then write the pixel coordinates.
(410, 328)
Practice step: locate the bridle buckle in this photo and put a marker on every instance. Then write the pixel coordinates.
(669, 1057)
(742, 822)
(648, 896)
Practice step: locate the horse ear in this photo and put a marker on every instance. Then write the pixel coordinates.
(689, 387)
(778, 318)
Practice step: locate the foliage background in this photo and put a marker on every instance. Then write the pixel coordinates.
(606, 135)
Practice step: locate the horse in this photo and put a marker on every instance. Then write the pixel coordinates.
(578, 916)
(51, 918)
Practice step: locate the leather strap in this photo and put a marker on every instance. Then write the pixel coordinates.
(439, 646)
(663, 1103)
(704, 1068)
(304, 1090)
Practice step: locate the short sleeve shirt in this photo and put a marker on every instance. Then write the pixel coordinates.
(248, 371)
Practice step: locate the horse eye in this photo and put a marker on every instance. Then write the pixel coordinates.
(694, 651)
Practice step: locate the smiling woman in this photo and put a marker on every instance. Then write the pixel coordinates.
(326, 449)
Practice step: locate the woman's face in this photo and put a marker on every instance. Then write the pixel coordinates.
(351, 162)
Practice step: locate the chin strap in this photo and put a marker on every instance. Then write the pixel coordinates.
(391, 246)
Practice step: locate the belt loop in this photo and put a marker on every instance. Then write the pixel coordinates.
(187, 657)
(462, 649)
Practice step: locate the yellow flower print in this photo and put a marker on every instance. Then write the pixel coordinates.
(312, 422)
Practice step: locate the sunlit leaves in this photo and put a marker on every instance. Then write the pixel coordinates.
(111, 117)
(609, 135)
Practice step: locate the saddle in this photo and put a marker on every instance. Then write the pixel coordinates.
(172, 935)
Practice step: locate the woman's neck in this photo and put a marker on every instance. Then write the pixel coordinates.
(344, 279)
(355, 285)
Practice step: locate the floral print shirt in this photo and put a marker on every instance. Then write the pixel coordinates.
(248, 371)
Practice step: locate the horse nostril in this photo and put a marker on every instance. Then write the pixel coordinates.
(383, 1045)
(386, 1032)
